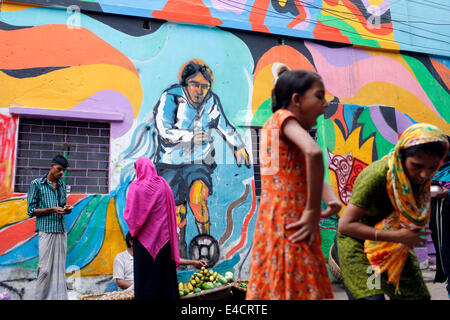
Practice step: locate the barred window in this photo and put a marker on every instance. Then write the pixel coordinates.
(256, 138)
(85, 144)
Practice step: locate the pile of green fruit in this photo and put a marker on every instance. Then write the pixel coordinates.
(204, 280)
(243, 286)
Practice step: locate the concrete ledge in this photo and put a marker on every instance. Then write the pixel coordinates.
(66, 114)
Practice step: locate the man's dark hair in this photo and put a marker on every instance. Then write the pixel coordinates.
(128, 238)
(192, 68)
(61, 160)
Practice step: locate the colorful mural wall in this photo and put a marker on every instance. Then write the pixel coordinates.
(406, 25)
(114, 63)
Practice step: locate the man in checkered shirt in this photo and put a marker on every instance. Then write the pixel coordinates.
(47, 202)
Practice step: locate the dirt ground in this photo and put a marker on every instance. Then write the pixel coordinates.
(437, 290)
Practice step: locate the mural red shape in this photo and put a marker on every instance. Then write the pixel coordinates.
(8, 128)
(258, 15)
(72, 199)
(338, 117)
(244, 230)
(325, 32)
(192, 11)
(56, 45)
(299, 18)
(15, 234)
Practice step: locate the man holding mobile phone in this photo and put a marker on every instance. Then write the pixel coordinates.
(47, 202)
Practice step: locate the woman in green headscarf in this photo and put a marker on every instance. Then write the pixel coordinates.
(389, 207)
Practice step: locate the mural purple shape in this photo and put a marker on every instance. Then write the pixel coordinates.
(385, 130)
(110, 101)
(340, 57)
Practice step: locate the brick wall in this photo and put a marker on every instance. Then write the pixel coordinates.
(84, 143)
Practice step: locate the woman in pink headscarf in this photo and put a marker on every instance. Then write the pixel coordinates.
(151, 218)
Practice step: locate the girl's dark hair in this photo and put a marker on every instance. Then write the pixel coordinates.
(433, 148)
(290, 82)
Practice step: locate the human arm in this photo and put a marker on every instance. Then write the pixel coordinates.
(123, 284)
(328, 196)
(349, 224)
(44, 212)
(57, 210)
(229, 133)
(195, 263)
(307, 225)
(119, 274)
(369, 200)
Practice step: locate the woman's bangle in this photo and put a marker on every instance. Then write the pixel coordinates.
(376, 233)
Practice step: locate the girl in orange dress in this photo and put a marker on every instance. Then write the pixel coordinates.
(287, 260)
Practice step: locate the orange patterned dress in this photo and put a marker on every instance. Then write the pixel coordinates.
(281, 269)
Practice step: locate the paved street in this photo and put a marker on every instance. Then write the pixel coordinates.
(437, 290)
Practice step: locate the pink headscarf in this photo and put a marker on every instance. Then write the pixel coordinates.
(150, 210)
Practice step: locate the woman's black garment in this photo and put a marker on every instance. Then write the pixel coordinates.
(440, 233)
(154, 279)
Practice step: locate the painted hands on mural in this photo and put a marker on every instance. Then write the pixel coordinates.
(200, 136)
(242, 153)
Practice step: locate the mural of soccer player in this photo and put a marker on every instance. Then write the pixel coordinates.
(186, 115)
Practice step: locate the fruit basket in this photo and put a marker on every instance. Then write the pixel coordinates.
(114, 295)
(223, 292)
(333, 265)
(207, 285)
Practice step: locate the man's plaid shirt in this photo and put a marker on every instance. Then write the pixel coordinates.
(42, 195)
